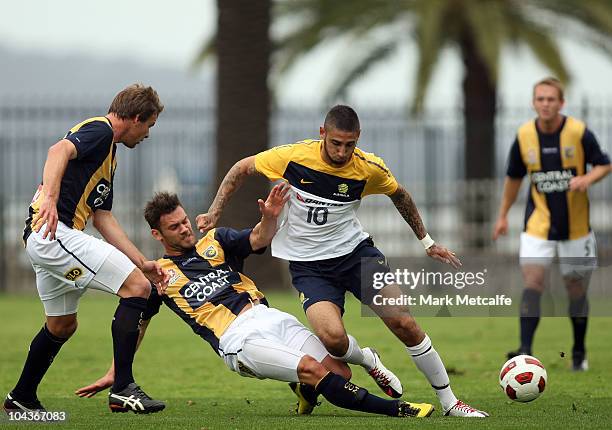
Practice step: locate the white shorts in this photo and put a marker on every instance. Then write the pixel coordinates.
(71, 263)
(264, 342)
(578, 255)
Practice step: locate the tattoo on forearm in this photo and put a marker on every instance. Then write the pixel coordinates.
(251, 169)
(407, 208)
(232, 181)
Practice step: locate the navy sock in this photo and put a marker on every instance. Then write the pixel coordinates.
(125, 328)
(43, 349)
(579, 311)
(530, 318)
(340, 392)
(308, 391)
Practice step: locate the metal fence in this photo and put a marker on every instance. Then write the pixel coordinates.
(426, 155)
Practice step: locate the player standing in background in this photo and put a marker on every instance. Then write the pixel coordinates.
(208, 291)
(77, 184)
(325, 243)
(554, 150)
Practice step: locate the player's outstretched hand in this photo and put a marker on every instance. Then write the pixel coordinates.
(501, 228)
(47, 214)
(444, 255)
(101, 384)
(158, 276)
(206, 222)
(272, 207)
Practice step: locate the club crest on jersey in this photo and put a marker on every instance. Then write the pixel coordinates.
(173, 276)
(531, 156)
(342, 190)
(211, 252)
(73, 274)
(568, 152)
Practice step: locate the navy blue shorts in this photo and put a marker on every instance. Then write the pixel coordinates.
(328, 280)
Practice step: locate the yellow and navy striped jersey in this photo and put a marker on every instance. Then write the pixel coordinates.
(206, 288)
(554, 212)
(320, 219)
(87, 184)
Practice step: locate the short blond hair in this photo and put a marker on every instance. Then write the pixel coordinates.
(553, 82)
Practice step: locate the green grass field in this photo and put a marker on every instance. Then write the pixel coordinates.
(201, 393)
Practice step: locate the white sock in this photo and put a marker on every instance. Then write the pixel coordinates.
(356, 355)
(430, 364)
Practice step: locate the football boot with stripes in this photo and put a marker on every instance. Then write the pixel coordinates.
(384, 378)
(132, 398)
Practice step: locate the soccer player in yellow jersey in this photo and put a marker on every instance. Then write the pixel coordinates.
(208, 291)
(77, 184)
(324, 242)
(554, 151)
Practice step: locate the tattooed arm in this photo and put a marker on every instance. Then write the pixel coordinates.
(408, 210)
(233, 181)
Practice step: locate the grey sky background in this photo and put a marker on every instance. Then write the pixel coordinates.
(167, 35)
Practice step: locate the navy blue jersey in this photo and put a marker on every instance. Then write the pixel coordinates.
(206, 288)
(87, 184)
(553, 211)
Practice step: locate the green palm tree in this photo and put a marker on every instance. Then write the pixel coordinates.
(478, 29)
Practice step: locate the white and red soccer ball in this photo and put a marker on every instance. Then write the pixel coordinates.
(523, 378)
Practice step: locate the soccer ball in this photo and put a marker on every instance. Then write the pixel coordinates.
(523, 378)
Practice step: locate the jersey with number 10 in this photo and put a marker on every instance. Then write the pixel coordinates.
(320, 219)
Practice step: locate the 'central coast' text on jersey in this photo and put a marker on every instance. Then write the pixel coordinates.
(320, 219)
(554, 212)
(206, 287)
(87, 184)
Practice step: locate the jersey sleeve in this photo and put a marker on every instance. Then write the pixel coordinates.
(273, 162)
(236, 243)
(91, 138)
(380, 179)
(108, 203)
(592, 151)
(153, 304)
(516, 167)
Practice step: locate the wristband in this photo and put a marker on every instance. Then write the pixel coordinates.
(427, 241)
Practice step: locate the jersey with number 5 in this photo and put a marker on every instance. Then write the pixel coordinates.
(320, 219)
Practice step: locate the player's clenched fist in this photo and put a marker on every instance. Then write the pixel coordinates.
(206, 222)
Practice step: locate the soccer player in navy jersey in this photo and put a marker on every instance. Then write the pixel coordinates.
(554, 150)
(209, 292)
(77, 185)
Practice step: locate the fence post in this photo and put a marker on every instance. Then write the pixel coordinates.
(3, 181)
(3, 245)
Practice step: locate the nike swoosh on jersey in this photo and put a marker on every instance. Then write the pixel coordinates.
(302, 181)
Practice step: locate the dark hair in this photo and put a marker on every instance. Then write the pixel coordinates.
(553, 82)
(162, 203)
(342, 117)
(136, 100)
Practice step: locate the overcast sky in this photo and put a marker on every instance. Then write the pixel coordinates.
(169, 34)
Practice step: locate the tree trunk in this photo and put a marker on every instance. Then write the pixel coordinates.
(243, 112)
(480, 98)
